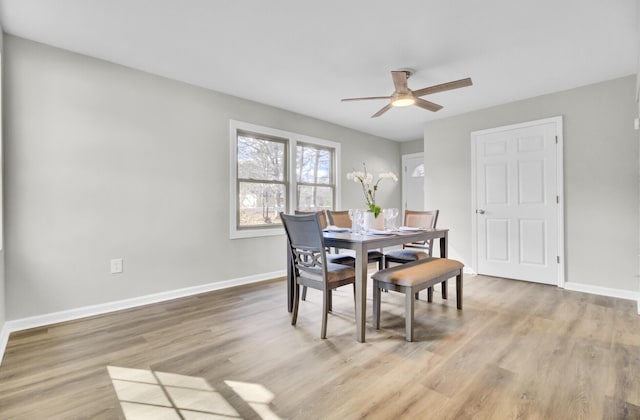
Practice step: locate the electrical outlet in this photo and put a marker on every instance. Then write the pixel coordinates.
(116, 265)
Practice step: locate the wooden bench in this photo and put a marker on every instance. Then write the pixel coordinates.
(411, 278)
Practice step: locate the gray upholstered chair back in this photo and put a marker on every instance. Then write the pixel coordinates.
(321, 214)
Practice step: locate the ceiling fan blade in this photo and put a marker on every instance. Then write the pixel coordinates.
(444, 86)
(400, 81)
(366, 98)
(427, 105)
(382, 111)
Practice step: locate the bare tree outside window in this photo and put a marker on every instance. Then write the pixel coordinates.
(262, 180)
(314, 173)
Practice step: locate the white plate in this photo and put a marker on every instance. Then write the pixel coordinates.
(409, 229)
(332, 228)
(380, 232)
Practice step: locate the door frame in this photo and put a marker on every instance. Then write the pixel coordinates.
(404, 182)
(559, 189)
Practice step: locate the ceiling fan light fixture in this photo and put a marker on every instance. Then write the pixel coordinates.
(403, 100)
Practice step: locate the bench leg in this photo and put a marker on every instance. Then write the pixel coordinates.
(409, 303)
(459, 290)
(376, 305)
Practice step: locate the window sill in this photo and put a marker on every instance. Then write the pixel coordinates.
(255, 233)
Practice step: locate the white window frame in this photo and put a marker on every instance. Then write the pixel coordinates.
(293, 140)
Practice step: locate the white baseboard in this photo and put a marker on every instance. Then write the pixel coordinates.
(604, 291)
(87, 311)
(4, 339)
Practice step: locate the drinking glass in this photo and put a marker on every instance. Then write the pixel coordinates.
(356, 220)
(390, 216)
(387, 218)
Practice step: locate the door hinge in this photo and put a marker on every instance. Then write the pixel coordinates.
(558, 259)
(557, 199)
(556, 139)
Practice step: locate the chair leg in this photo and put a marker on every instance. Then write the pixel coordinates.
(330, 300)
(326, 296)
(459, 290)
(380, 263)
(417, 295)
(296, 300)
(376, 305)
(409, 303)
(444, 289)
(304, 292)
(430, 294)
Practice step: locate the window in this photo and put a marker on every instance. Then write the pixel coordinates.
(273, 171)
(315, 177)
(261, 179)
(418, 171)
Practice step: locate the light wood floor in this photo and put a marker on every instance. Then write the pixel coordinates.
(516, 350)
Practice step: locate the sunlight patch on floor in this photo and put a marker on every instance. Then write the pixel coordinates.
(145, 394)
(257, 396)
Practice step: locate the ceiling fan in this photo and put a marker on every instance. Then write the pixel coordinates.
(403, 96)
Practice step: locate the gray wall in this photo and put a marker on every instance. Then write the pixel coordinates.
(103, 161)
(409, 147)
(600, 176)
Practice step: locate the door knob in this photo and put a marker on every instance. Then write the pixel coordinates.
(479, 211)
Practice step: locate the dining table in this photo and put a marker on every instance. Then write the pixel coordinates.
(361, 243)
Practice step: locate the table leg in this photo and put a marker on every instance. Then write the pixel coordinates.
(361, 293)
(444, 245)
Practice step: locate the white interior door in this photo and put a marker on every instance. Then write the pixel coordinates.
(518, 213)
(412, 182)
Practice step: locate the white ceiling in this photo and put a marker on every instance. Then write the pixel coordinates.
(305, 56)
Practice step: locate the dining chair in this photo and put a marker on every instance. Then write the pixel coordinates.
(336, 257)
(340, 218)
(310, 265)
(415, 250)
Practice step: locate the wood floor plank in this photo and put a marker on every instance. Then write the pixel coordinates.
(518, 350)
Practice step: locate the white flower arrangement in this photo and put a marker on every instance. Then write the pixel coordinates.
(365, 179)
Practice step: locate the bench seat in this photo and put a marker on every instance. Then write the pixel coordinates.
(410, 279)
